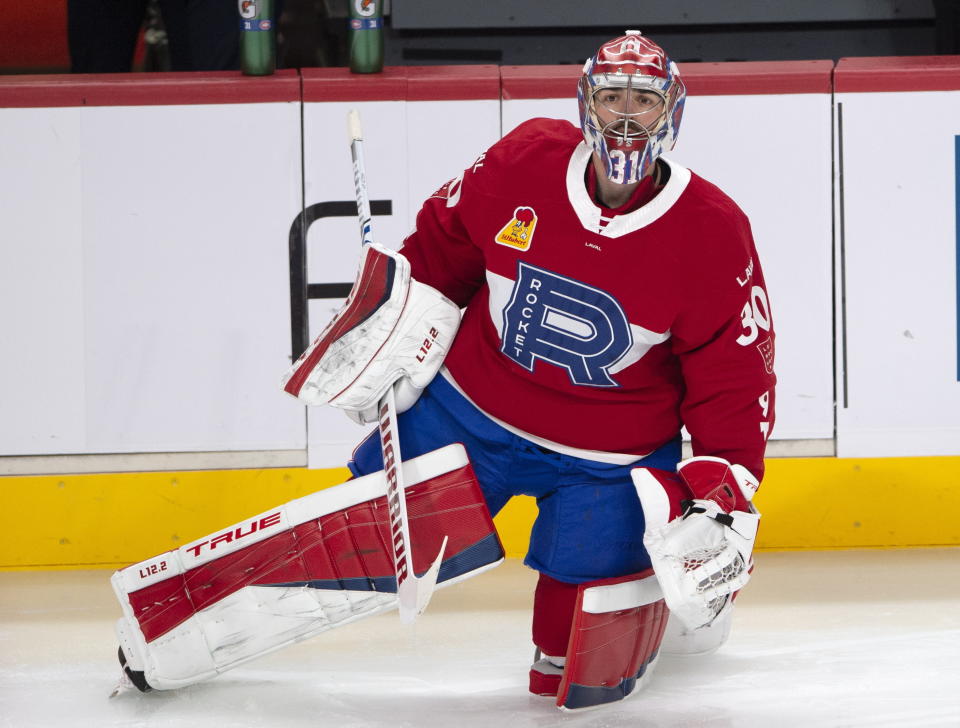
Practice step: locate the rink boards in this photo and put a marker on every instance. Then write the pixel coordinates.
(84, 521)
(170, 240)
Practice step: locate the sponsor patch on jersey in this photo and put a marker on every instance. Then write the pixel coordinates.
(518, 233)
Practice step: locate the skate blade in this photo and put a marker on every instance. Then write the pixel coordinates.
(123, 686)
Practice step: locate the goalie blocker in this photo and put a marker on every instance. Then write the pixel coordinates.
(392, 328)
(295, 571)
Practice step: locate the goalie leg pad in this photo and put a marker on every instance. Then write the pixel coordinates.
(300, 569)
(615, 640)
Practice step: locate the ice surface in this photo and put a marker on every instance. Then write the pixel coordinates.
(855, 638)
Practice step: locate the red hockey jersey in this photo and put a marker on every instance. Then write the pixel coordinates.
(599, 332)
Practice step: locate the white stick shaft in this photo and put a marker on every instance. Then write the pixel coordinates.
(389, 435)
(414, 594)
(360, 178)
(397, 505)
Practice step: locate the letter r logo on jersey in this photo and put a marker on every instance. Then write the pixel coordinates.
(566, 323)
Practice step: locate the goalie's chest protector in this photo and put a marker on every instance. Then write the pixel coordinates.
(573, 334)
(588, 295)
(573, 299)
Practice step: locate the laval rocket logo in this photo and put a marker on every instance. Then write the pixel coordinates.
(518, 233)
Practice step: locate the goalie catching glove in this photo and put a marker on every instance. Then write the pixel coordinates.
(392, 328)
(700, 531)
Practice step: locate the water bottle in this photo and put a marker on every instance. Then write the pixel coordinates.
(258, 37)
(366, 36)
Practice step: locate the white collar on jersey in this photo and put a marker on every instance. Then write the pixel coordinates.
(589, 213)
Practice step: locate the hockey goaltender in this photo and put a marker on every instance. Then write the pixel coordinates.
(562, 309)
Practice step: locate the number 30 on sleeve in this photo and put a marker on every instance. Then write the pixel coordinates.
(755, 316)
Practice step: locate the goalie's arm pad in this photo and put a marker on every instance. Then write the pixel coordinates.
(294, 571)
(700, 530)
(391, 328)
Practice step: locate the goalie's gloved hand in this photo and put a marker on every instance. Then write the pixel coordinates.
(406, 392)
(392, 328)
(699, 533)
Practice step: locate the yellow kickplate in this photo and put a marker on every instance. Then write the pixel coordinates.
(89, 521)
(85, 521)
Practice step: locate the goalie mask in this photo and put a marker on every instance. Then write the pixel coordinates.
(631, 101)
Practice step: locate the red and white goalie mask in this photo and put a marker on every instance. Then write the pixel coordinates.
(631, 101)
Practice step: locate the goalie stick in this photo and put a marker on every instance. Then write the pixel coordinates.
(414, 592)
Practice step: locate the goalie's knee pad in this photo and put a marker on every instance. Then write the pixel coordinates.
(297, 570)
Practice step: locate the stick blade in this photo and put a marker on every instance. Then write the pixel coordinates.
(415, 593)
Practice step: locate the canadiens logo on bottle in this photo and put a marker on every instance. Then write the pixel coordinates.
(518, 233)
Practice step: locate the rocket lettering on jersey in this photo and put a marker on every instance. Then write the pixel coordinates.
(566, 323)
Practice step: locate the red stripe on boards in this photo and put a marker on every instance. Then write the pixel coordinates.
(148, 89)
(460, 83)
(909, 73)
(402, 83)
